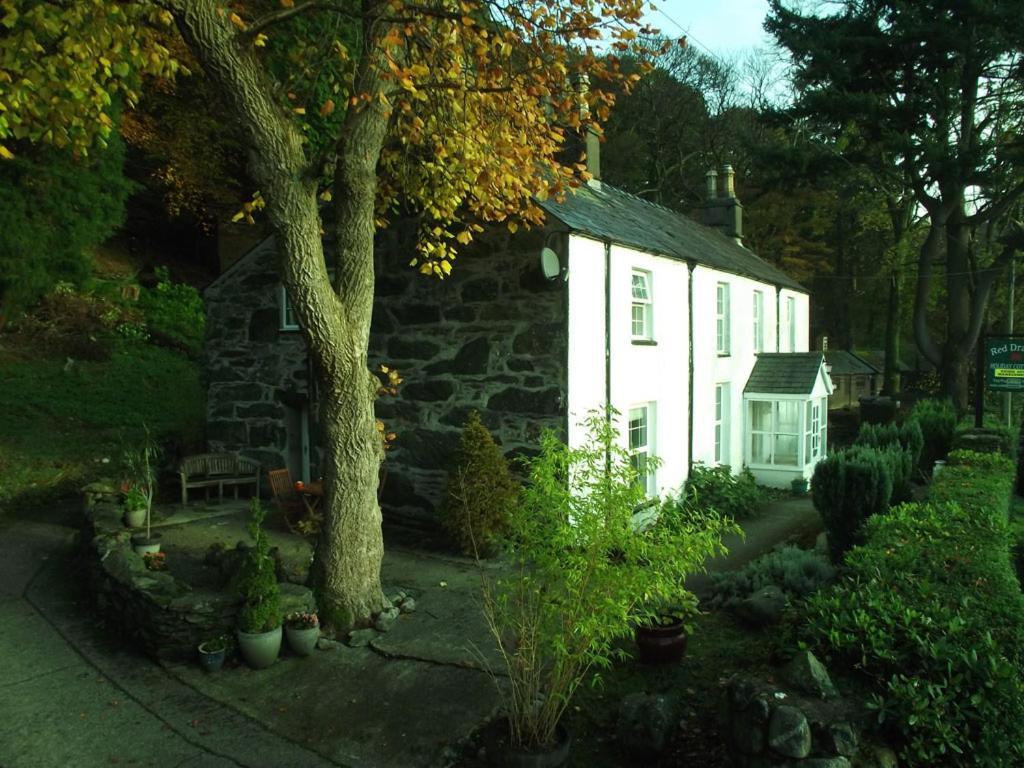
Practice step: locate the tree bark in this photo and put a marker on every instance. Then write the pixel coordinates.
(346, 568)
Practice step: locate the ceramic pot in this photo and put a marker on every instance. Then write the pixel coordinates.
(554, 757)
(135, 518)
(143, 545)
(302, 641)
(661, 643)
(260, 649)
(211, 660)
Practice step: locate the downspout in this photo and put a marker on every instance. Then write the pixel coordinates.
(608, 344)
(689, 328)
(778, 318)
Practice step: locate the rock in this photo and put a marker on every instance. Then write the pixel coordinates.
(843, 738)
(762, 608)
(359, 638)
(407, 606)
(645, 724)
(789, 733)
(882, 757)
(385, 619)
(825, 762)
(396, 597)
(821, 544)
(807, 674)
(326, 644)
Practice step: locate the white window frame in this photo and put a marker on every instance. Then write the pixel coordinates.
(773, 432)
(722, 330)
(641, 444)
(758, 321)
(288, 321)
(722, 423)
(791, 321)
(644, 304)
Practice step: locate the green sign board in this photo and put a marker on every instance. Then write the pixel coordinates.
(1004, 364)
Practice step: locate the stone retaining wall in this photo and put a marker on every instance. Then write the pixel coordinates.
(164, 616)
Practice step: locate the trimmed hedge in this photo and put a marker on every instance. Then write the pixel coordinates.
(931, 613)
(895, 439)
(848, 487)
(938, 420)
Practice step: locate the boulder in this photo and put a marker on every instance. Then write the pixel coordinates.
(359, 638)
(762, 608)
(789, 733)
(807, 674)
(645, 724)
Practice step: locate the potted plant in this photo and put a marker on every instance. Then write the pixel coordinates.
(302, 631)
(661, 638)
(134, 507)
(583, 570)
(140, 465)
(259, 619)
(212, 653)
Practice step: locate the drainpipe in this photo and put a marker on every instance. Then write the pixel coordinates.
(689, 324)
(608, 343)
(778, 318)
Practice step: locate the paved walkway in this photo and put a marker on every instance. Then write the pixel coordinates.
(71, 695)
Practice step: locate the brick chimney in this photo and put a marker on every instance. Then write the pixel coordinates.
(721, 209)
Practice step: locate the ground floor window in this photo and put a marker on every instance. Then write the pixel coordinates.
(641, 424)
(777, 429)
(721, 423)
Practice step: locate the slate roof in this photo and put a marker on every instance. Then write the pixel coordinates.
(785, 373)
(846, 363)
(608, 213)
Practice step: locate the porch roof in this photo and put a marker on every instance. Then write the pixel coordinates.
(785, 373)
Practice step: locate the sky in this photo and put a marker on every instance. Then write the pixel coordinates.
(725, 27)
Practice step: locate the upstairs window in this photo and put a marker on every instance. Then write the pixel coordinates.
(640, 425)
(758, 321)
(722, 319)
(289, 321)
(642, 325)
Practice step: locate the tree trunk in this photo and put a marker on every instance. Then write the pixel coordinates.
(891, 373)
(346, 566)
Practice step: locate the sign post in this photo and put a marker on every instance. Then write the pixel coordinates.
(1000, 367)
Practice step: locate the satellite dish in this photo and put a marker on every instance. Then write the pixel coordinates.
(550, 265)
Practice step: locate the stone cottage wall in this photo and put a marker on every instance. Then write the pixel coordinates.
(252, 367)
(491, 337)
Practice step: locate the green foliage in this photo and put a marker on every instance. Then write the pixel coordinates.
(53, 208)
(135, 498)
(139, 465)
(256, 580)
(900, 447)
(481, 491)
(848, 487)
(584, 573)
(931, 613)
(719, 489)
(938, 420)
(175, 311)
(993, 437)
(797, 572)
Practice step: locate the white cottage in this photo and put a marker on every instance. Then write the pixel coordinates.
(701, 345)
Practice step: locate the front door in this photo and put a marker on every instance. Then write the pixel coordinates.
(297, 428)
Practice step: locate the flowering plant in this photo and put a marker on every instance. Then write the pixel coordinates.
(303, 620)
(155, 561)
(135, 498)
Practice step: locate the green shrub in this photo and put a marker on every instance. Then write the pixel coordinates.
(480, 493)
(174, 311)
(931, 614)
(582, 574)
(848, 487)
(906, 435)
(797, 572)
(938, 420)
(719, 489)
(256, 581)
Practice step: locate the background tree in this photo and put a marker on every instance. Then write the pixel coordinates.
(437, 107)
(936, 84)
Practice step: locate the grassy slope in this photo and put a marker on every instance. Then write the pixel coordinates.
(58, 425)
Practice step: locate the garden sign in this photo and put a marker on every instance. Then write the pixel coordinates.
(1004, 363)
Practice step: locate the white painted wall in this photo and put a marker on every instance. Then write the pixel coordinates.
(659, 373)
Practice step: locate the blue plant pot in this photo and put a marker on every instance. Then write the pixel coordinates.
(211, 660)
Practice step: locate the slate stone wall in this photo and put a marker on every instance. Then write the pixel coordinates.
(491, 337)
(252, 368)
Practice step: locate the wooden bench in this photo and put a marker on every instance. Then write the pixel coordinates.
(216, 470)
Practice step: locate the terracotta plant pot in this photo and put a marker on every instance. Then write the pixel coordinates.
(661, 643)
(302, 641)
(260, 649)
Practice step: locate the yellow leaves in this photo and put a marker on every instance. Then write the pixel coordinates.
(513, 227)
(260, 41)
(235, 19)
(5, 153)
(327, 109)
(287, 3)
(326, 196)
(464, 237)
(299, 110)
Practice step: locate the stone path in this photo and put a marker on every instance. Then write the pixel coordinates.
(71, 695)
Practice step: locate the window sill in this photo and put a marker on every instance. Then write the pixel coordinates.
(288, 329)
(724, 354)
(644, 342)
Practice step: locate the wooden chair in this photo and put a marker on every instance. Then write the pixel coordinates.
(286, 497)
